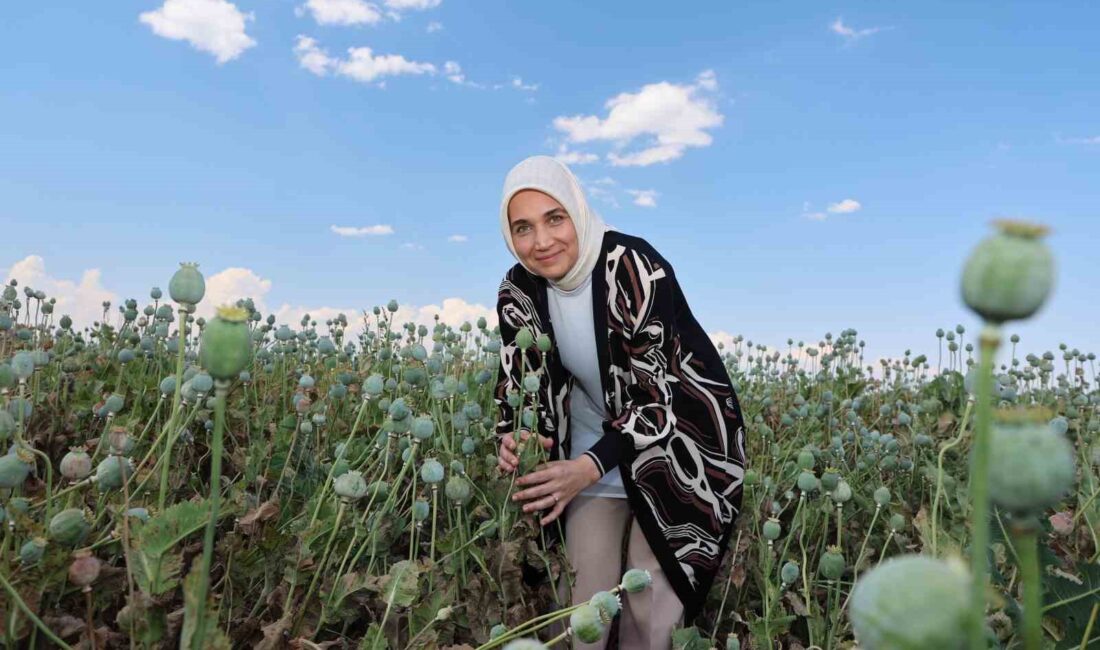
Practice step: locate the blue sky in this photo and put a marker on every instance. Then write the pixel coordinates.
(805, 167)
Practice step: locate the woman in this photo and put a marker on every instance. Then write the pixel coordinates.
(636, 406)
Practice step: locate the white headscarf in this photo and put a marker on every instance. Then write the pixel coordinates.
(552, 177)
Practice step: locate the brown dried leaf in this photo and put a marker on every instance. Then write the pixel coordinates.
(797, 606)
(737, 575)
(64, 625)
(250, 523)
(274, 634)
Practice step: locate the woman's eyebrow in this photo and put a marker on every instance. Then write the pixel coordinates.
(545, 215)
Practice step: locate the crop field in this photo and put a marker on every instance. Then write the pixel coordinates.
(171, 481)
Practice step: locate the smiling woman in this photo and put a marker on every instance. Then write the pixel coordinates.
(644, 430)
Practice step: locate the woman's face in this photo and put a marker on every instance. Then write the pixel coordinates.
(543, 234)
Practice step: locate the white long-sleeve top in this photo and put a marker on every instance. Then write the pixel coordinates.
(575, 334)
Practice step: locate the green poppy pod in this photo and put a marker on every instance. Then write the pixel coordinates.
(732, 642)
(790, 572)
(772, 529)
(1031, 468)
(636, 580)
(911, 601)
(607, 603)
(423, 427)
(374, 385)
(842, 493)
(752, 477)
(469, 445)
(226, 347)
(431, 471)
(112, 471)
(831, 564)
(525, 643)
(202, 383)
(155, 293)
(458, 490)
(398, 410)
(14, 469)
(350, 485)
(125, 355)
(807, 482)
(531, 383)
(586, 624)
(525, 338)
(830, 478)
(543, 342)
(187, 286)
(392, 306)
(378, 490)
(69, 527)
(22, 365)
(141, 514)
(7, 424)
(420, 510)
(66, 322)
(882, 496)
(1009, 275)
(76, 465)
(32, 551)
(897, 522)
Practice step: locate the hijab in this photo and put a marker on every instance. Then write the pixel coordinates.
(550, 176)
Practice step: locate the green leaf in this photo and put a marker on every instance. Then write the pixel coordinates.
(400, 586)
(689, 638)
(1073, 596)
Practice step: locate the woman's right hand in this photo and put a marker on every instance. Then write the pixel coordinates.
(506, 456)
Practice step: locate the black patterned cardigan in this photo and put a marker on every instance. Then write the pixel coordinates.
(675, 430)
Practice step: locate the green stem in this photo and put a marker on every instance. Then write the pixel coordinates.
(221, 389)
(1026, 540)
(990, 339)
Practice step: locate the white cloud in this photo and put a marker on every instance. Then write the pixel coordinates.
(417, 5)
(361, 65)
(363, 231)
(601, 189)
(455, 75)
(434, 27)
(850, 34)
(672, 117)
(81, 300)
(517, 83)
(412, 246)
(214, 26)
(644, 198)
(229, 286)
(575, 157)
(846, 206)
(342, 12)
(458, 238)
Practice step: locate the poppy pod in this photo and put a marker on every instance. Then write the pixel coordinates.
(226, 344)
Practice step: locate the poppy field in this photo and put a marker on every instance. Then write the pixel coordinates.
(175, 481)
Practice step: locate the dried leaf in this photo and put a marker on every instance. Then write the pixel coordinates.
(250, 523)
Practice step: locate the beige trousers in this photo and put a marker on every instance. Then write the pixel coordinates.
(594, 531)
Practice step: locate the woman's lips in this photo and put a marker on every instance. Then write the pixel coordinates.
(547, 259)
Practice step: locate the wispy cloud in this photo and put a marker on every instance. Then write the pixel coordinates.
(569, 157)
(1093, 140)
(360, 12)
(518, 84)
(362, 231)
(362, 64)
(434, 26)
(851, 34)
(667, 117)
(413, 246)
(214, 26)
(844, 207)
(644, 198)
(458, 238)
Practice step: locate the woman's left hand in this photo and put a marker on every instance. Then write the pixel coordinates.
(554, 484)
